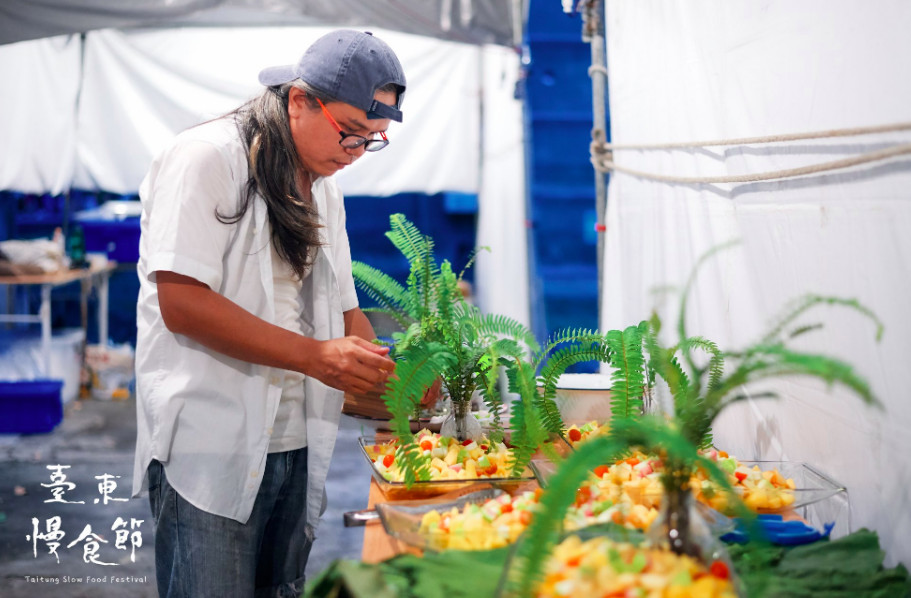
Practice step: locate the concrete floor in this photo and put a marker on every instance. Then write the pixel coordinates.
(96, 439)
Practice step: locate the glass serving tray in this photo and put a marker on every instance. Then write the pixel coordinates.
(425, 489)
(402, 519)
(811, 486)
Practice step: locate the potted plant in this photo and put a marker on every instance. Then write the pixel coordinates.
(441, 337)
(701, 390)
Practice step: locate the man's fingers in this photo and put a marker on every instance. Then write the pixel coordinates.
(372, 347)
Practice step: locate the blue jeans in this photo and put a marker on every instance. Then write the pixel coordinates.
(198, 554)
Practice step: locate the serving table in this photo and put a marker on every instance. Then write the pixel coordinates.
(378, 545)
(95, 276)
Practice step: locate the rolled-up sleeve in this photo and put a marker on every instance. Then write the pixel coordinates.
(188, 186)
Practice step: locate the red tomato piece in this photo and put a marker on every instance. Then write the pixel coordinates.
(388, 460)
(467, 442)
(575, 435)
(426, 445)
(740, 476)
(507, 508)
(601, 470)
(720, 570)
(583, 495)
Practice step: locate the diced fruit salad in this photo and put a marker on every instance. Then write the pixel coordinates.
(493, 524)
(600, 567)
(760, 490)
(628, 493)
(576, 434)
(449, 458)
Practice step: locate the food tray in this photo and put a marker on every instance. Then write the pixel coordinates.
(812, 486)
(427, 489)
(818, 500)
(402, 519)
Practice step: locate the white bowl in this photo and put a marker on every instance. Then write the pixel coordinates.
(582, 398)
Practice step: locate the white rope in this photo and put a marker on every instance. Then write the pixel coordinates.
(898, 150)
(766, 139)
(602, 155)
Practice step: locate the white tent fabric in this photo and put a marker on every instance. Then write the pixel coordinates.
(472, 21)
(502, 272)
(720, 69)
(96, 123)
(142, 87)
(38, 126)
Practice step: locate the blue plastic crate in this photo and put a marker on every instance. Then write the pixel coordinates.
(30, 406)
(118, 239)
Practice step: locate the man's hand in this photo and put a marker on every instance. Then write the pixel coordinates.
(432, 394)
(190, 308)
(351, 364)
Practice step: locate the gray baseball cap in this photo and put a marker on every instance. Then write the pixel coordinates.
(348, 66)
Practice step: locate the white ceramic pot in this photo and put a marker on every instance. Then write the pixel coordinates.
(582, 398)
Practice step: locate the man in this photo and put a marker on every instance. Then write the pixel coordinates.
(249, 329)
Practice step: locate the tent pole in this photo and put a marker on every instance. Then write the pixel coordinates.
(593, 33)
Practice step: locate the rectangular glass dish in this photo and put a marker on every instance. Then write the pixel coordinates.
(818, 500)
(426, 489)
(402, 519)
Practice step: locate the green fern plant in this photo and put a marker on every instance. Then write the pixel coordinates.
(700, 393)
(622, 350)
(442, 337)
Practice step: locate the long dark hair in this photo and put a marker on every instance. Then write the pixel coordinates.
(277, 174)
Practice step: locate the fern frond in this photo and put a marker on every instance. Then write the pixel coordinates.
(411, 242)
(684, 294)
(527, 431)
(504, 326)
(771, 361)
(715, 365)
(802, 304)
(555, 366)
(471, 259)
(418, 368)
(576, 336)
(488, 364)
(628, 377)
(384, 290)
(800, 330)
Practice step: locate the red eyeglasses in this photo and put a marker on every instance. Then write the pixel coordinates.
(352, 141)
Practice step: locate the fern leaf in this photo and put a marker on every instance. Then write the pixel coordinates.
(527, 432)
(385, 291)
(628, 377)
(418, 368)
(776, 360)
(804, 303)
(555, 366)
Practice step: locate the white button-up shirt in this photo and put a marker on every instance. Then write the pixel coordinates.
(204, 415)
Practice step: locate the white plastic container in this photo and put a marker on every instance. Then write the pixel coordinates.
(22, 359)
